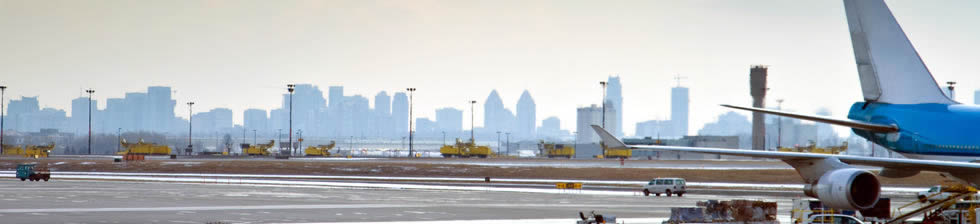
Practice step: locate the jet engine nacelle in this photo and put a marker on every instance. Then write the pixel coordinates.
(847, 188)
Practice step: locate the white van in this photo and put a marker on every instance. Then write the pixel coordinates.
(668, 186)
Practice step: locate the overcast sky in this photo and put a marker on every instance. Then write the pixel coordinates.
(241, 54)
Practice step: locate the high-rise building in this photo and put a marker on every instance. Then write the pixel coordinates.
(592, 115)
(382, 115)
(256, 119)
(19, 112)
(526, 117)
(160, 108)
(335, 112)
(449, 120)
(308, 103)
(679, 110)
(493, 117)
(614, 94)
(399, 115)
(79, 115)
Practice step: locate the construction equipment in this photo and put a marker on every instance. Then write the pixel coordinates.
(29, 151)
(465, 150)
(552, 150)
(258, 150)
(28, 172)
(320, 150)
(143, 148)
(812, 148)
(934, 210)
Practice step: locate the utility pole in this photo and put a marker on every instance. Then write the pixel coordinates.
(290, 87)
(90, 91)
(2, 101)
(411, 134)
(779, 124)
(190, 128)
(472, 117)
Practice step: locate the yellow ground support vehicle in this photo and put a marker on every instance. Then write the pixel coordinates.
(143, 148)
(29, 151)
(465, 150)
(812, 148)
(320, 150)
(258, 150)
(552, 150)
(618, 153)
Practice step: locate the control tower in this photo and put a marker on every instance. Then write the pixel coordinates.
(757, 83)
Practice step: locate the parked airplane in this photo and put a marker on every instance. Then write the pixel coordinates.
(904, 110)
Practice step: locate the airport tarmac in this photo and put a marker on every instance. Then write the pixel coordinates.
(98, 201)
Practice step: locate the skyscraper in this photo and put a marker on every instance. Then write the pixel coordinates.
(493, 118)
(160, 108)
(382, 115)
(256, 119)
(526, 117)
(335, 112)
(679, 110)
(399, 115)
(614, 94)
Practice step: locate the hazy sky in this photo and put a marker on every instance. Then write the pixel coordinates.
(241, 54)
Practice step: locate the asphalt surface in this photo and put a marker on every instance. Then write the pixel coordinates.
(86, 201)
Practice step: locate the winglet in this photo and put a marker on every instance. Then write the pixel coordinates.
(608, 139)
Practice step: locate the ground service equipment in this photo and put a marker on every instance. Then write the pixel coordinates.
(143, 148)
(320, 150)
(812, 148)
(29, 151)
(258, 150)
(465, 150)
(28, 172)
(556, 150)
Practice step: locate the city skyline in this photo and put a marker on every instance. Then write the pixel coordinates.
(560, 62)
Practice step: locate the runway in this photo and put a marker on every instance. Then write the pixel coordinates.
(114, 201)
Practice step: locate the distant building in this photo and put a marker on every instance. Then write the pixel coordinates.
(399, 114)
(382, 115)
(526, 117)
(730, 124)
(679, 99)
(550, 128)
(495, 116)
(449, 120)
(726, 142)
(256, 119)
(976, 97)
(614, 95)
(426, 128)
(19, 114)
(213, 121)
(592, 115)
(655, 129)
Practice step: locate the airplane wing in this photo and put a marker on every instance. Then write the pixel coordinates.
(956, 168)
(844, 122)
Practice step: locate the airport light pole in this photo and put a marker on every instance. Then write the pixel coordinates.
(290, 88)
(779, 126)
(2, 101)
(411, 134)
(498, 141)
(190, 128)
(472, 118)
(603, 84)
(90, 91)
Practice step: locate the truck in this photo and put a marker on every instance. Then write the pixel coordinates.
(258, 149)
(320, 150)
(552, 150)
(812, 148)
(143, 148)
(465, 150)
(28, 172)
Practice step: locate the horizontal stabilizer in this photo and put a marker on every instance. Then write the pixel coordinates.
(843, 122)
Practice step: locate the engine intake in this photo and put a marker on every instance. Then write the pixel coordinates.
(847, 188)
